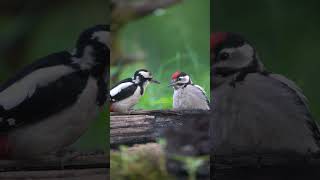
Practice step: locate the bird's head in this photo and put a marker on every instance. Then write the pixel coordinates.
(143, 77)
(230, 54)
(180, 80)
(93, 48)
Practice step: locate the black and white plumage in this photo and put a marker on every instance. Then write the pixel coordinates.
(187, 95)
(255, 110)
(49, 104)
(125, 94)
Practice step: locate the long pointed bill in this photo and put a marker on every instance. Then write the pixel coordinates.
(172, 83)
(154, 81)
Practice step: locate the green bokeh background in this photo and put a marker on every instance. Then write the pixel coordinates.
(286, 34)
(176, 38)
(47, 31)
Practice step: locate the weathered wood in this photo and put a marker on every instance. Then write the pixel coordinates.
(139, 127)
(70, 166)
(76, 174)
(84, 174)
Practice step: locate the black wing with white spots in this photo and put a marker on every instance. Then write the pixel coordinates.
(122, 90)
(45, 100)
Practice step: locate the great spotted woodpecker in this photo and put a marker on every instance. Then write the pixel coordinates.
(125, 94)
(49, 104)
(187, 95)
(256, 110)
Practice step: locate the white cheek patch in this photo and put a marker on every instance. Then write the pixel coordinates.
(26, 87)
(246, 51)
(145, 74)
(240, 57)
(186, 79)
(87, 60)
(116, 90)
(103, 37)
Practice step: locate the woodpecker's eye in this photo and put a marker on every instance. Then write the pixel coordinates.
(224, 56)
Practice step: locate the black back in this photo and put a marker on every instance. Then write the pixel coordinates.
(45, 101)
(59, 58)
(125, 93)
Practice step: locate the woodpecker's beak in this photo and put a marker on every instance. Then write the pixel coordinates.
(154, 81)
(172, 83)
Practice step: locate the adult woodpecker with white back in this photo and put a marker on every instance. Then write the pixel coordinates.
(49, 104)
(127, 93)
(187, 95)
(255, 110)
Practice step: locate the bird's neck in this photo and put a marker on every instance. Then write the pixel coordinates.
(93, 57)
(142, 84)
(181, 86)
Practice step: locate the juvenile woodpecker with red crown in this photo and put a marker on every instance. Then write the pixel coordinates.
(127, 93)
(49, 104)
(187, 95)
(256, 110)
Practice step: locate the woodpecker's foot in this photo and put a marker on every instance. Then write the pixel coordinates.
(130, 111)
(66, 156)
(133, 110)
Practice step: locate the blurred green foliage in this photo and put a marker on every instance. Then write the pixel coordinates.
(286, 34)
(149, 161)
(176, 38)
(127, 164)
(29, 32)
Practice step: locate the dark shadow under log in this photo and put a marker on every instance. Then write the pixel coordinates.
(275, 166)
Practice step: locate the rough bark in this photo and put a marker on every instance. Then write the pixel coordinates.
(70, 166)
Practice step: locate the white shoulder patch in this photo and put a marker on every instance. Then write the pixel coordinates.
(25, 87)
(116, 90)
(87, 60)
(103, 37)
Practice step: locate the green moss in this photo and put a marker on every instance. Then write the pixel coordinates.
(126, 164)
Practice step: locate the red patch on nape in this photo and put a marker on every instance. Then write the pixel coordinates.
(216, 38)
(175, 75)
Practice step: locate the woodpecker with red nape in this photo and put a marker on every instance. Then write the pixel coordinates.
(255, 110)
(49, 104)
(187, 95)
(127, 93)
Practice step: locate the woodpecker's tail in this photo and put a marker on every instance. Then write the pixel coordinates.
(5, 148)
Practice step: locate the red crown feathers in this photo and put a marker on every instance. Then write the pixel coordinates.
(216, 38)
(175, 75)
